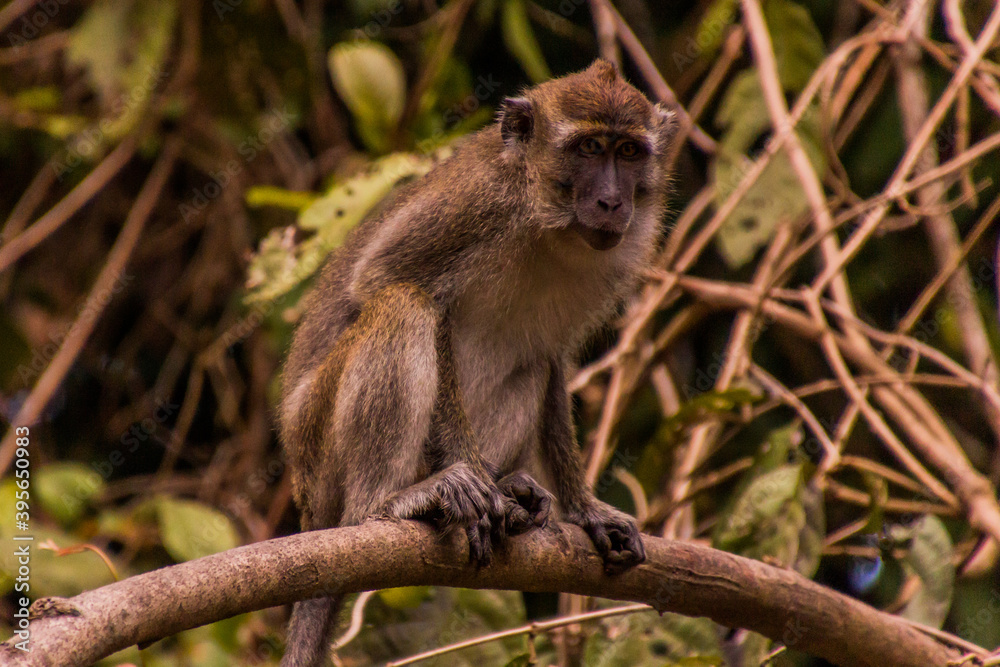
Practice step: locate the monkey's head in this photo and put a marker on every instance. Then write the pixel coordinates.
(594, 149)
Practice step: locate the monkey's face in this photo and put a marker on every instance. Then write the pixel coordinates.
(593, 147)
(600, 176)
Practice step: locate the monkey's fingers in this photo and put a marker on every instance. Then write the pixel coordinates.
(531, 504)
(626, 550)
(480, 541)
(517, 521)
(600, 538)
(614, 534)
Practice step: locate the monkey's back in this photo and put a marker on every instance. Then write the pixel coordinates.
(427, 240)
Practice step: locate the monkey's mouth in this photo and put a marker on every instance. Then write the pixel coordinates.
(598, 239)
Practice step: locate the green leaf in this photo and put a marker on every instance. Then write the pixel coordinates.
(494, 609)
(753, 649)
(966, 618)
(191, 529)
(269, 195)
(39, 98)
(63, 126)
(775, 514)
(521, 41)
(523, 660)
(370, 79)
(812, 534)
(767, 497)
(878, 490)
(712, 27)
(743, 112)
(347, 203)
(929, 558)
(406, 597)
(64, 576)
(116, 523)
(779, 448)
(446, 616)
(701, 661)
(798, 44)
(65, 489)
(123, 44)
(649, 640)
(280, 265)
(776, 197)
(695, 410)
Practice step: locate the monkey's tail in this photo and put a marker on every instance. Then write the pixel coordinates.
(309, 632)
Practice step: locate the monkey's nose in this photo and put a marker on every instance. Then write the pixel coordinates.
(609, 206)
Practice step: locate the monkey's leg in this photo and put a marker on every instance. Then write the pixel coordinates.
(613, 532)
(463, 493)
(360, 435)
(400, 414)
(363, 430)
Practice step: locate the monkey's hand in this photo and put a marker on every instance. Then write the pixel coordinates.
(530, 506)
(456, 497)
(613, 532)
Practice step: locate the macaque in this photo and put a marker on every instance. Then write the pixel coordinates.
(427, 379)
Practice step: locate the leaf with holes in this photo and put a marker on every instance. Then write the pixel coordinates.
(776, 197)
(280, 264)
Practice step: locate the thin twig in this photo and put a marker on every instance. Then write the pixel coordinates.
(604, 26)
(531, 628)
(47, 385)
(914, 100)
(357, 621)
(915, 149)
(93, 183)
(10, 13)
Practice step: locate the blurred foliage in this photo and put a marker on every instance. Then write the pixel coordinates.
(295, 121)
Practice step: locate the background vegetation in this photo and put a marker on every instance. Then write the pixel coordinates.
(808, 377)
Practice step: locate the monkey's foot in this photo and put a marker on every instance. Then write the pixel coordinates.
(456, 497)
(614, 533)
(531, 503)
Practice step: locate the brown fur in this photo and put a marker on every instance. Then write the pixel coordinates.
(427, 373)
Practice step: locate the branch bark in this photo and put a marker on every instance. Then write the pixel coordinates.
(677, 577)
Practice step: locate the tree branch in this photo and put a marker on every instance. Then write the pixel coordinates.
(677, 577)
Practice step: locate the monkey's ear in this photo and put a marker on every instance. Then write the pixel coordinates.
(517, 120)
(666, 121)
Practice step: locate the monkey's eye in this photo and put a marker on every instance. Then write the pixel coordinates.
(628, 150)
(591, 146)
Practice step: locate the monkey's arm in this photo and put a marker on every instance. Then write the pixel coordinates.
(613, 532)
